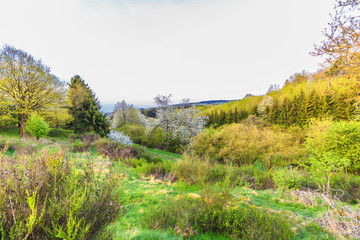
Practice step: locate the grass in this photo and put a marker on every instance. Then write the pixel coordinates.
(141, 194)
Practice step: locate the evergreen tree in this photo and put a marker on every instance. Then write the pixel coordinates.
(85, 109)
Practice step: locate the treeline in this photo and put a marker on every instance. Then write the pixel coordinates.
(302, 107)
(296, 111)
(216, 119)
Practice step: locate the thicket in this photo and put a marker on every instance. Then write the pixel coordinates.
(48, 196)
(247, 143)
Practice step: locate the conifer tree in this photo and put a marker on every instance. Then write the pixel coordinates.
(85, 109)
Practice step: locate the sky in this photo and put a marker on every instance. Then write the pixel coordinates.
(133, 50)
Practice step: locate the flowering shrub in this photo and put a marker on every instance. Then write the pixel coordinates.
(119, 137)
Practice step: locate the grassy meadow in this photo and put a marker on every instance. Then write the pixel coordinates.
(80, 193)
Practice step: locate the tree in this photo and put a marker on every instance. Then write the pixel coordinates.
(28, 84)
(85, 109)
(126, 114)
(342, 39)
(178, 124)
(331, 147)
(37, 126)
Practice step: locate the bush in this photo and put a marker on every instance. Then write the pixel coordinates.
(194, 170)
(290, 179)
(242, 144)
(156, 139)
(47, 197)
(79, 146)
(114, 150)
(160, 169)
(187, 216)
(119, 137)
(325, 145)
(349, 185)
(135, 132)
(37, 126)
(60, 133)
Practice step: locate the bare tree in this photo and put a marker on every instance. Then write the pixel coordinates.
(342, 38)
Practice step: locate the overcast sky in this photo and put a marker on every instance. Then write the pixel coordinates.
(197, 49)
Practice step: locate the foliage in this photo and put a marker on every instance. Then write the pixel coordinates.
(48, 197)
(60, 133)
(37, 126)
(114, 150)
(189, 216)
(323, 146)
(135, 132)
(179, 125)
(124, 114)
(290, 179)
(160, 169)
(119, 137)
(85, 109)
(241, 144)
(28, 84)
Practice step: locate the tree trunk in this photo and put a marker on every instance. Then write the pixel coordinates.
(22, 127)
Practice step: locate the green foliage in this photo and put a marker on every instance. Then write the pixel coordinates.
(161, 169)
(37, 126)
(290, 179)
(241, 144)
(60, 133)
(325, 149)
(48, 197)
(188, 216)
(85, 109)
(347, 186)
(29, 86)
(135, 132)
(156, 138)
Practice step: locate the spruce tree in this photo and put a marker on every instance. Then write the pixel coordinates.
(85, 109)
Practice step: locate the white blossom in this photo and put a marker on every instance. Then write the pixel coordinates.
(119, 137)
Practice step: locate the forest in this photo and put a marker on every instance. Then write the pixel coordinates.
(283, 165)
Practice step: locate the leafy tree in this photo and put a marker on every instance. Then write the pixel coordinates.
(37, 126)
(28, 84)
(85, 109)
(326, 152)
(124, 114)
(179, 125)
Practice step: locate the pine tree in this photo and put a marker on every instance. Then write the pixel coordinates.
(85, 109)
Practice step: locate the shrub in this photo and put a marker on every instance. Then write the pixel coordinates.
(348, 187)
(60, 133)
(47, 197)
(242, 144)
(325, 145)
(160, 169)
(194, 170)
(135, 132)
(119, 137)
(79, 146)
(156, 138)
(188, 216)
(290, 179)
(37, 126)
(114, 150)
